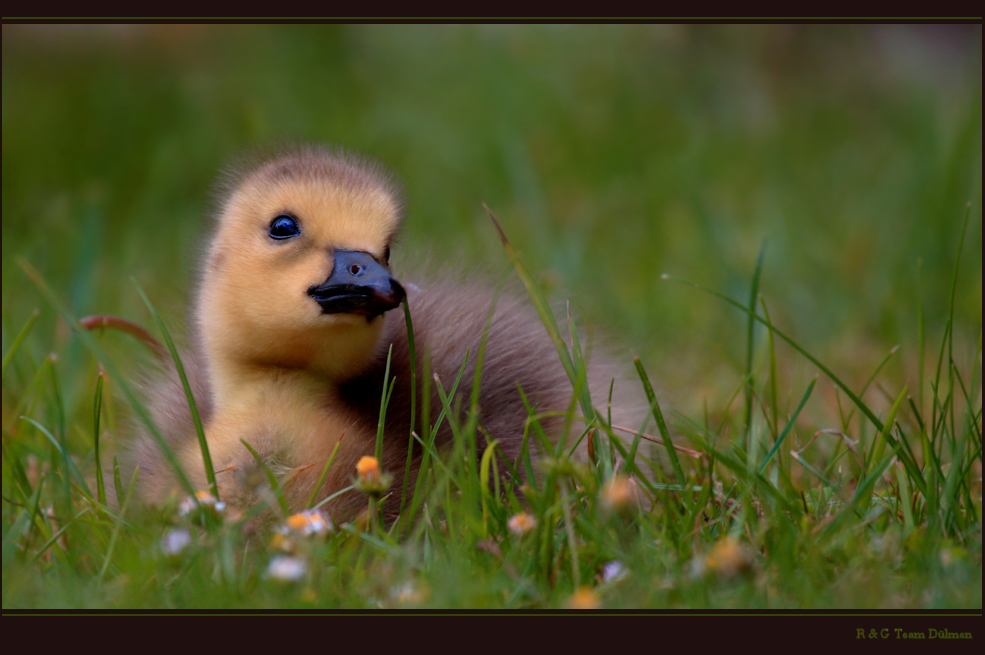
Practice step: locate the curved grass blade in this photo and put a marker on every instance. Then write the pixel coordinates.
(569, 530)
(118, 526)
(533, 419)
(98, 321)
(19, 476)
(384, 403)
(769, 332)
(546, 316)
(192, 406)
(447, 413)
(15, 346)
(21, 524)
(324, 472)
(905, 498)
(921, 338)
(412, 351)
(68, 460)
(338, 493)
(429, 455)
(97, 406)
(117, 480)
(950, 313)
(787, 427)
(868, 383)
(750, 334)
(488, 461)
(661, 424)
(48, 544)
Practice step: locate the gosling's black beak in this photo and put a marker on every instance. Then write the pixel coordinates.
(358, 285)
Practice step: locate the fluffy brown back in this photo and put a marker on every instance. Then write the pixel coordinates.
(448, 323)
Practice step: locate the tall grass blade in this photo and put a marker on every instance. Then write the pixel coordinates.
(880, 445)
(488, 462)
(811, 469)
(384, 403)
(480, 358)
(19, 339)
(429, 455)
(332, 497)
(118, 526)
(19, 475)
(905, 498)
(921, 337)
(773, 395)
(203, 443)
(750, 334)
(533, 421)
(872, 377)
(661, 424)
(412, 351)
(61, 451)
(787, 427)
(21, 524)
(26, 404)
(569, 530)
(51, 540)
(546, 316)
(471, 432)
(97, 406)
(950, 313)
(324, 473)
(117, 480)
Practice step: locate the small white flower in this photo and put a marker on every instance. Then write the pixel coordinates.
(310, 522)
(175, 541)
(613, 571)
(286, 569)
(521, 524)
(406, 594)
(202, 499)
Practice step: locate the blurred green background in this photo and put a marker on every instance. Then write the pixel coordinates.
(611, 154)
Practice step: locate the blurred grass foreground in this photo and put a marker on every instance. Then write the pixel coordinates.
(848, 155)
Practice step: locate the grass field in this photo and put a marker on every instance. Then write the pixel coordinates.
(828, 178)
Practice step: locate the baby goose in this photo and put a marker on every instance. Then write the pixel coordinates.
(292, 327)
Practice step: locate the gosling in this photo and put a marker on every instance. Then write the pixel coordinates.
(296, 312)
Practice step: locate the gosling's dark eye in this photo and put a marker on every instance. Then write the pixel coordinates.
(284, 226)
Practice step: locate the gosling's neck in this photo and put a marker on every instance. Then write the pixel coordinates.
(307, 369)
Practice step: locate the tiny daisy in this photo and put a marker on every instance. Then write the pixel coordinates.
(286, 569)
(522, 523)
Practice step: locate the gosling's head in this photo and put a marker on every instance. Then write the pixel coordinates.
(297, 275)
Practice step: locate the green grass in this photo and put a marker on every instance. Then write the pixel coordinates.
(823, 183)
